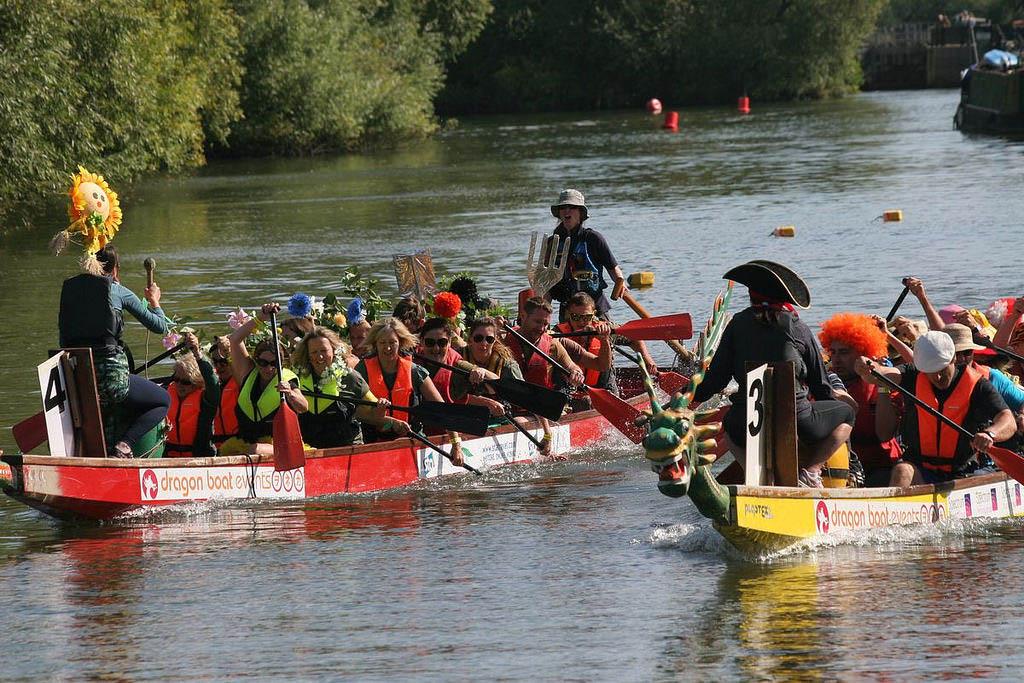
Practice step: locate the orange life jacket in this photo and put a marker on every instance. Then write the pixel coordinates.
(184, 420)
(443, 377)
(225, 424)
(537, 370)
(590, 377)
(400, 393)
(937, 440)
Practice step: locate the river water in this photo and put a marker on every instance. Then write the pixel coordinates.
(575, 570)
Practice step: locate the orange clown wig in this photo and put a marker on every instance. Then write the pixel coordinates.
(856, 330)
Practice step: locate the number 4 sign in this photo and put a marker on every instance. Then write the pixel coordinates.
(60, 428)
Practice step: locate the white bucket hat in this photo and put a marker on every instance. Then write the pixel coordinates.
(570, 198)
(933, 351)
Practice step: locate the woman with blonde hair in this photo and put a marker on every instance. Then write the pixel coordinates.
(486, 358)
(195, 397)
(320, 362)
(393, 376)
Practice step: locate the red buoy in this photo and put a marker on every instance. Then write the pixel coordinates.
(743, 105)
(654, 106)
(671, 121)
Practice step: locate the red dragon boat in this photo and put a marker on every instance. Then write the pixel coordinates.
(100, 488)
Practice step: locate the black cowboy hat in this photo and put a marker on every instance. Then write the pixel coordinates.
(773, 281)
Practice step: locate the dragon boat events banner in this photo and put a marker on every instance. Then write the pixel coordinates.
(490, 451)
(194, 483)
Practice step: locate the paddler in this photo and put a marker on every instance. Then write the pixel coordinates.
(847, 337)
(583, 316)
(195, 398)
(935, 452)
(225, 423)
(319, 361)
(436, 337)
(260, 391)
(770, 330)
(92, 306)
(589, 257)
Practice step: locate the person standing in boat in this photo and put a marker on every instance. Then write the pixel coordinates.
(92, 307)
(847, 337)
(589, 258)
(319, 360)
(770, 330)
(195, 398)
(225, 423)
(935, 452)
(259, 395)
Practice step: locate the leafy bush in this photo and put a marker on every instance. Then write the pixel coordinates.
(122, 91)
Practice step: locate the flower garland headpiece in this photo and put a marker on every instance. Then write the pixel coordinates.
(95, 212)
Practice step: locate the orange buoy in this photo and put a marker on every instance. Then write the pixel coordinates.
(892, 216)
(671, 121)
(654, 106)
(784, 231)
(743, 105)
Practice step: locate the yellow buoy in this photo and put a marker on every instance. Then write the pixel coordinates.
(892, 215)
(642, 279)
(784, 231)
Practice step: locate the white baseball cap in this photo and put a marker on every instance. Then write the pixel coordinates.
(933, 351)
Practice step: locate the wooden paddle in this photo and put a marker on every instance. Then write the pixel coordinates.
(533, 397)
(288, 451)
(899, 301)
(416, 436)
(642, 312)
(661, 327)
(621, 414)
(1008, 461)
(455, 417)
(30, 433)
(670, 382)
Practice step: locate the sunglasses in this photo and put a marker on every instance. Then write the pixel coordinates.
(480, 337)
(439, 343)
(582, 317)
(220, 362)
(264, 363)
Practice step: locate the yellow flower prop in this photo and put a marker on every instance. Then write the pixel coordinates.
(95, 213)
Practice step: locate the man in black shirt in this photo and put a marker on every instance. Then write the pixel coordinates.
(589, 257)
(934, 451)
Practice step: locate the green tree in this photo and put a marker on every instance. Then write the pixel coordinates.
(122, 91)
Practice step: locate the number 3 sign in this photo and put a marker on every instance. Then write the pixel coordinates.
(60, 428)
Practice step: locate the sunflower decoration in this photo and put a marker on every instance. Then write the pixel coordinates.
(95, 213)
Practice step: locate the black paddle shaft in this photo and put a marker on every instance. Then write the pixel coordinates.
(899, 302)
(156, 359)
(554, 363)
(999, 349)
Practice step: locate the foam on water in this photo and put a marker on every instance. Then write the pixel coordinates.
(701, 537)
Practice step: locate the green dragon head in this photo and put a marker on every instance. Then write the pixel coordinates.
(679, 440)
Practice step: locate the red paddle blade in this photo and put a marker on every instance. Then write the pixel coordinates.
(663, 327)
(30, 432)
(671, 382)
(622, 415)
(288, 451)
(1008, 461)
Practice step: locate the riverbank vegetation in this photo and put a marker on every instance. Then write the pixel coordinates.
(126, 87)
